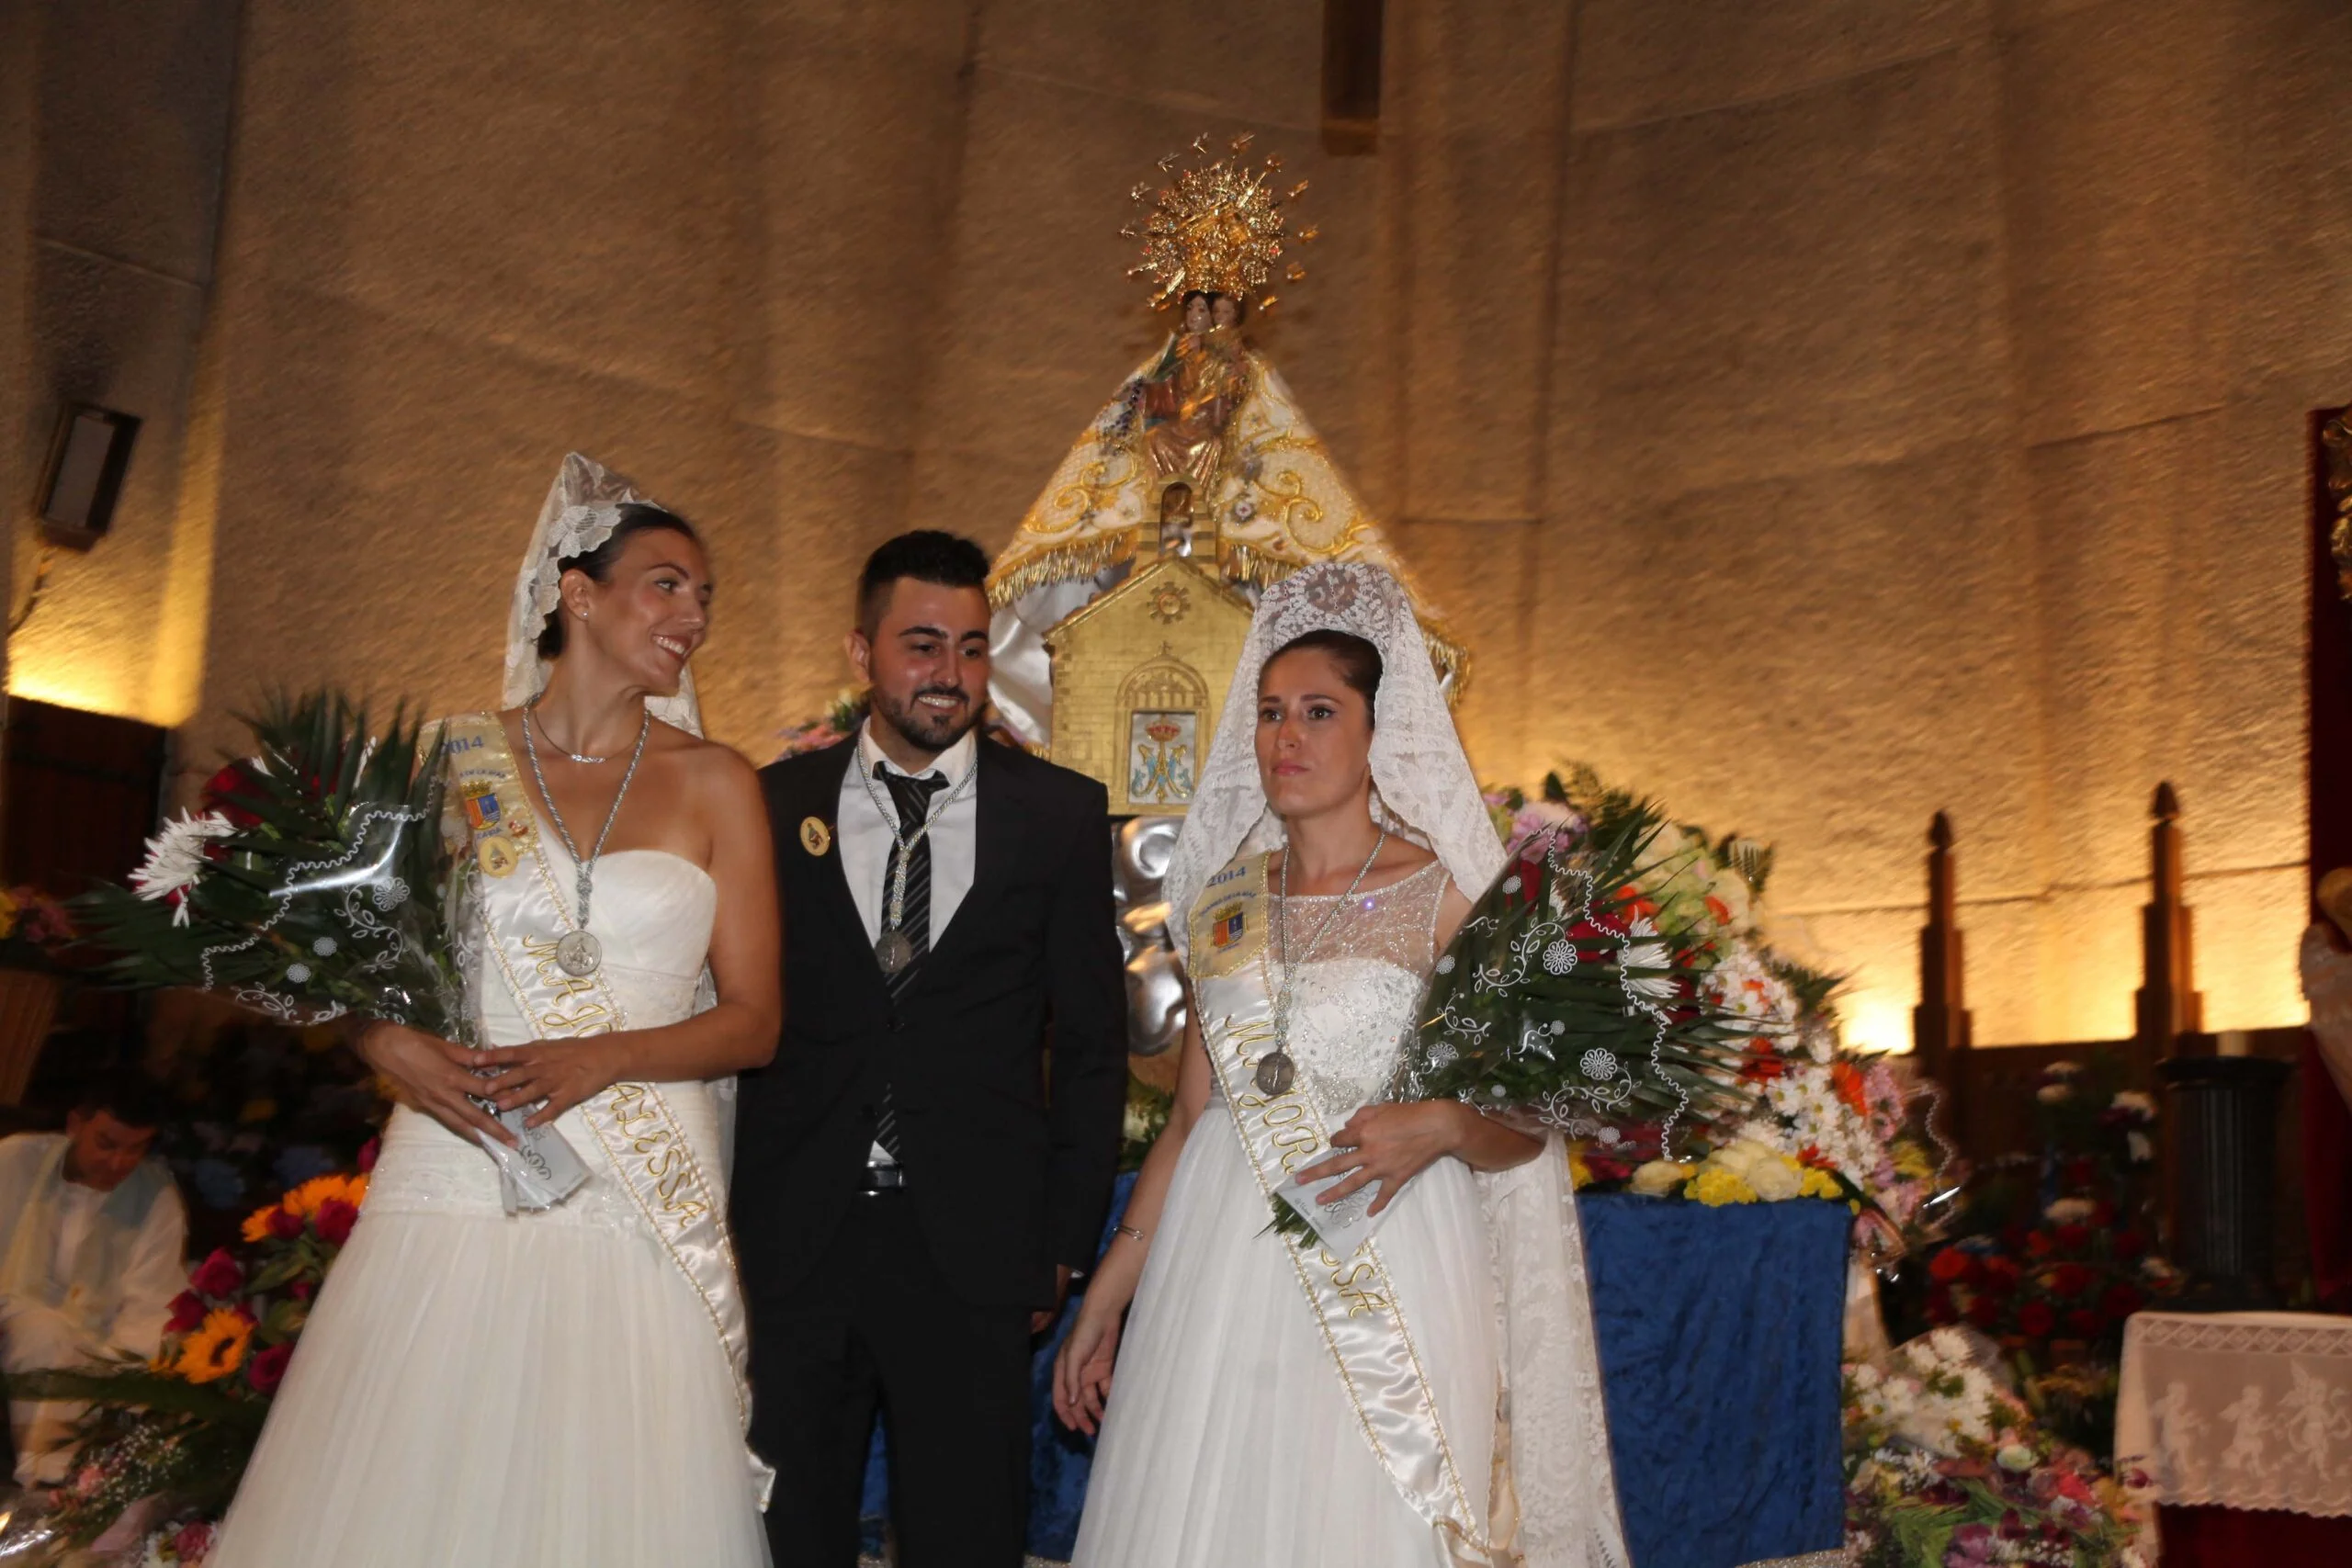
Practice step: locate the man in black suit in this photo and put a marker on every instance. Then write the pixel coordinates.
(917, 1175)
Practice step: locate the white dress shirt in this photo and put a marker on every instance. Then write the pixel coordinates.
(867, 839)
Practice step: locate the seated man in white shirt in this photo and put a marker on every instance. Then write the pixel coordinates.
(91, 1234)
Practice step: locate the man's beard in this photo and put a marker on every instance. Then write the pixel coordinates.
(929, 729)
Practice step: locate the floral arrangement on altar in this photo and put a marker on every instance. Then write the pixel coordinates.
(1946, 1467)
(1790, 1112)
(841, 719)
(164, 1442)
(2057, 1252)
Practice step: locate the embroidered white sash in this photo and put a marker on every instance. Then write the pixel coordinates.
(1353, 1298)
(648, 1152)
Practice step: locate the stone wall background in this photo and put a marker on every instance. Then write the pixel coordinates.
(1818, 413)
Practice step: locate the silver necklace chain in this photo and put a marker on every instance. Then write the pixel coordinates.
(587, 867)
(1276, 1069)
(530, 716)
(904, 840)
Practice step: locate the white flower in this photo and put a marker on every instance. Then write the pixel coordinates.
(2140, 1105)
(2015, 1457)
(1658, 1178)
(2063, 1070)
(1136, 1128)
(1868, 1376)
(2137, 1145)
(2054, 1093)
(1950, 1344)
(1775, 1180)
(176, 858)
(2070, 1211)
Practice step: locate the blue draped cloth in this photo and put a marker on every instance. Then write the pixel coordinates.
(1720, 1332)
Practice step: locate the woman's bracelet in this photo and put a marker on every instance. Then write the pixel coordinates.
(1131, 1232)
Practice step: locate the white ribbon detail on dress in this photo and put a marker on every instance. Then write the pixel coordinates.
(1354, 1299)
(648, 1152)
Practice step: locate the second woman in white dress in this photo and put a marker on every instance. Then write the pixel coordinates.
(1430, 1400)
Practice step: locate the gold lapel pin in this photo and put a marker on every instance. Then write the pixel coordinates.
(815, 837)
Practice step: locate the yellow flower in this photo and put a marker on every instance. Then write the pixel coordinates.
(257, 1223)
(1820, 1184)
(305, 1200)
(1580, 1173)
(218, 1348)
(1716, 1187)
(8, 912)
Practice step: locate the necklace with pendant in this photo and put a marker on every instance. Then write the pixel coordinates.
(894, 950)
(578, 952)
(531, 716)
(1276, 1071)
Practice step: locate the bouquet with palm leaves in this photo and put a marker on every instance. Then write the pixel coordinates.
(310, 886)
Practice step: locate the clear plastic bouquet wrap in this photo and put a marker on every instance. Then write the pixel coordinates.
(316, 885)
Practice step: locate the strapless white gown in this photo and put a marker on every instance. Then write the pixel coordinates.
(1229, 1442)
(522, 1391)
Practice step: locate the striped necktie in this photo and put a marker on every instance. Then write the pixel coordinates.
(912, 797)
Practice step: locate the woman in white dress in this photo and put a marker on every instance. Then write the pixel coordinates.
(1430, 1398)
(560, 1384)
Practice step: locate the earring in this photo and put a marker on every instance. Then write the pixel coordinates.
(582, 614)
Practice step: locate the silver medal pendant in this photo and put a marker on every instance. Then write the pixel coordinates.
(893, 951)
(579, 954)
(1275, 1073)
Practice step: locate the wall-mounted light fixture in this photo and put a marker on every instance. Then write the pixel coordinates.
(86, 462)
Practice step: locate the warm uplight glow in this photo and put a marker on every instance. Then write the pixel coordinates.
(1876, 1020)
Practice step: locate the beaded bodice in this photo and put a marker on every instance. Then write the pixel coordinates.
(1358, 988)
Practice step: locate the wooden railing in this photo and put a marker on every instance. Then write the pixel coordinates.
(1988, 1092)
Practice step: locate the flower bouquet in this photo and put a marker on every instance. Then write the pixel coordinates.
(310, 886)
(171, 1437)
(1946, 1467)
(1583, 990)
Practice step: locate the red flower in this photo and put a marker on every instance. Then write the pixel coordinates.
(334, 1220)
(2128, 1244)
(267, 1368)
(2085, 1322)
(2038, 1244)
(225, 791)
(285, 1224)
(2074, 1237)
(367, 1153)
(1983, 1312)
(1939, 1307)
(2103, 1213)
(2081, 1172)
(2035, 1319)
(1951, 1264)
(2001, 1275)
(218, 1276)
(2070, 1279)
(301, 1290)
(187, 1313)
(2122, 1300)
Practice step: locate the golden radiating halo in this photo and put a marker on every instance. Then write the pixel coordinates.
(1219, 228)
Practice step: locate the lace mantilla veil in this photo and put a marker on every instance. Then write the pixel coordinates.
(1422, 787)
(582, 508)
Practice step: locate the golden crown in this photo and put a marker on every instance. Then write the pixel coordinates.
(1218, 228)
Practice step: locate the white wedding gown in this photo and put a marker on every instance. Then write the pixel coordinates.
(1229, 1442)
(519, 1391)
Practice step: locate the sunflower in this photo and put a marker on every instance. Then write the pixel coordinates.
(257, 1223)
(305, 1200)
(218, 1348)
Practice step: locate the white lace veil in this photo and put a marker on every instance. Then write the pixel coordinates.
(582, 510)
(1422, 786)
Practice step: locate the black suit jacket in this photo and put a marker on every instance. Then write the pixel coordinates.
(1008, 1173)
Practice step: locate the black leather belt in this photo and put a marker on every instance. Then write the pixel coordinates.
(884, 1178)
